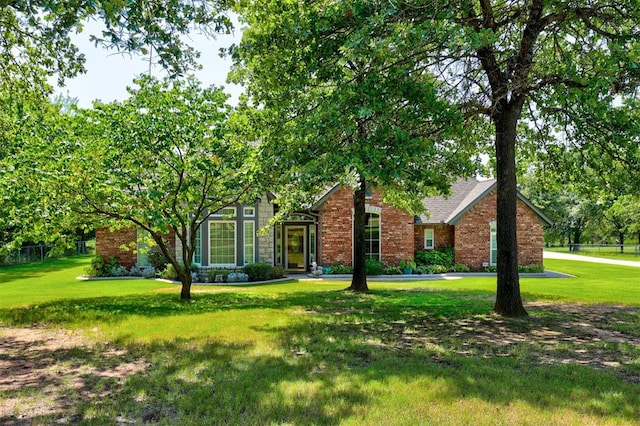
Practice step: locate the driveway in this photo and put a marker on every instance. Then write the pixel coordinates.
(581, 258)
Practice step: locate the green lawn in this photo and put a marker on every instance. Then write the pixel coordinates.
(309, 353)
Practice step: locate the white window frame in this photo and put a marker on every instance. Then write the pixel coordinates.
(252, 211)
(226, 213)
(235, 244)
(493, 243)
(427, 237)
(252, 234)
(379, 240)
(197, 249)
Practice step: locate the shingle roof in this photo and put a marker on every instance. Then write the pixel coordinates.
(464, 194)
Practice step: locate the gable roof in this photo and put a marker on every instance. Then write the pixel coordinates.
(465, 193)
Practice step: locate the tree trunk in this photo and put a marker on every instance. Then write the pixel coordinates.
(577, 236)
(185, 279)
(359, 280)
(508, 298)
(621, 235)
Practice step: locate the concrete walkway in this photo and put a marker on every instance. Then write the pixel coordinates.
(581, 258)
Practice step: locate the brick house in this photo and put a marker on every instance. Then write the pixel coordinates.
(466, 220)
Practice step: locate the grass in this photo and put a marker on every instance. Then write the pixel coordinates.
(309, 353)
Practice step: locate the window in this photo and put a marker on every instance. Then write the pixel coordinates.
(249, 212)
(143, 240)
(197, 249)
(222, 243)
(279, 245)
(368, 190)
(312, 244)
(226, 212)
(372, 236)
(428, 238)
(494, 244)
(249, 242)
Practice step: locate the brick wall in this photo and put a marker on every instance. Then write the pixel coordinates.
(473, 233)
(120, 243)
(443, 236)
(336, 229)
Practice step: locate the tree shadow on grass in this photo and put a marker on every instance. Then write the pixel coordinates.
(114, 309)
(341, 356)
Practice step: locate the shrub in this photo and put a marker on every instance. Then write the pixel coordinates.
(461, 267)
(119, 271)
(408, 264)
(157, 259)
(442, 257)
(491, 268)
(392, 270)
(213, 273)
(439, 269)
(96, 268)
(422, 269)
(136, 271)
(149, 272)
(533, 268)
(169, 273)
(237, 277)
(260, 271)
(277, 272)
(340, 269)
(110, 266)
(373, 267)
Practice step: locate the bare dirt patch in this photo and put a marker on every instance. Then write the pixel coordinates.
(45, 373)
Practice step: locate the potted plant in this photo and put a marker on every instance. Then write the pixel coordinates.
(408, 266)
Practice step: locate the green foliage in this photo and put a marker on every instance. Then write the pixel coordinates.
(259, 271)
(340, 269)
(439, 269)
(37, 35)
(190, 155)
(533, 268)
(96, 268)
(442, 257)
(277, 272)
(373, 267)
(169, 273)
(157, 259)
(110, 266)
(460, 267)
(392, 270)
(408, 264)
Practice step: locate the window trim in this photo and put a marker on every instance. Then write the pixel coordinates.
(432, 238)
(493, 238)
(252, 214)
(253, 241)
(235, 244)
(221, 213)
(197, 249)
(368, 241)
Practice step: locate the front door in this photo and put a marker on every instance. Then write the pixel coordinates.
(296, 247)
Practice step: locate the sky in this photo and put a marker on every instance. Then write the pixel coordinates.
(109, 73)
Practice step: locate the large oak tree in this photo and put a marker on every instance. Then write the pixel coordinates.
(341, 104)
